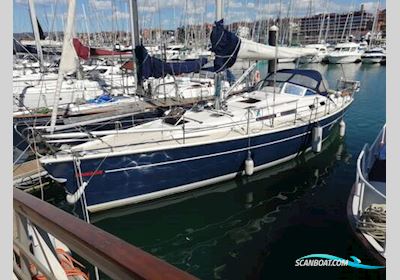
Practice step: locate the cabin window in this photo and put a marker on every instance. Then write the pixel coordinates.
(279, 76)
(353, 49)
(309, 92)
(304, 81)
(269, 81)
(322, 87)
(293, 89)
(345, 49)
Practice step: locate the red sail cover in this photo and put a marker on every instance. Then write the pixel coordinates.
(128, 65)
(85, 52)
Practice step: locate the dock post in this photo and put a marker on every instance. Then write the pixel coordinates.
(272, 40)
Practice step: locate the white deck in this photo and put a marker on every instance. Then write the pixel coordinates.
(208, 126)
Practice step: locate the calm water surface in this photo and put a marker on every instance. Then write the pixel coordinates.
(256, 227)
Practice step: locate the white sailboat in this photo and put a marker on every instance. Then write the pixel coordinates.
(289, 112)
(322, 52)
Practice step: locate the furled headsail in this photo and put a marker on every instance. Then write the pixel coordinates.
(153, 67)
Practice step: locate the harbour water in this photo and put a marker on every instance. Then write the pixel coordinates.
(256, 227)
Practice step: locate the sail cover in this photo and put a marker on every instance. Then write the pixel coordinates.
(225, 45)
(153, 67)
(85, 52)
(228, 47)
(256, 51)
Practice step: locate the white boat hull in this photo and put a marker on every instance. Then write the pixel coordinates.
(370, 60)
(344, 59)
(312, 59)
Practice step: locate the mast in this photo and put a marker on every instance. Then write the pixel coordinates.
(218, 76)
(86, 24)
(322, 23)
(345, 26)
(66, 64)
(272, 64)
(36, 33)
(53, 28)
(135, 43)
(352, 19)
(374, 24)
(280, 19)
(328, 22)
(219, 10)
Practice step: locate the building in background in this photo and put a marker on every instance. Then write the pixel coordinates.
(334, 27)
(381, 23)
(329, 27)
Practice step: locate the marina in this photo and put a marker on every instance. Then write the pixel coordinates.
(228, 150)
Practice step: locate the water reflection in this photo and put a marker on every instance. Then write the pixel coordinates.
(206, 232)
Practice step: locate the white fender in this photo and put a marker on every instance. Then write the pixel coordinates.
(342, 128)
(317, 139)
(73, 198)
(249, 165)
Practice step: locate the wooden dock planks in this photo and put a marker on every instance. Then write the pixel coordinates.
(30, 169)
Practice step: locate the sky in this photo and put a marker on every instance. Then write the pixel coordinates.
(111, 15)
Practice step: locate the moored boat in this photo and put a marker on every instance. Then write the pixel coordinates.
(345, 53)
(366, 205)
(375, 55)
(320, 56)
(191, 149)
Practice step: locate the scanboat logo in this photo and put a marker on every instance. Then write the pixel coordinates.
(330, 260)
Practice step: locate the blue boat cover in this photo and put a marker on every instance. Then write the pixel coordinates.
(105, 98)
(153, 67)
(225, 45)
(311, 79)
